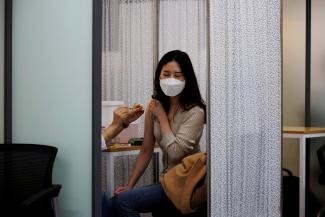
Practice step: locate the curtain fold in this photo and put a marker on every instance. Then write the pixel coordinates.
(127, 60)
(129, 46)
(182, 26)
(245, 88)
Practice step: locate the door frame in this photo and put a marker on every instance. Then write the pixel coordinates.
(96, 106)
(8, 73)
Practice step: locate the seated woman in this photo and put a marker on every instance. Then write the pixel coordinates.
(174, 119)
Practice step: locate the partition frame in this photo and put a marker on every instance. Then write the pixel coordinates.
(208, 109)
(8, 74)
(97, 30)
(96, 106)
(307, 100)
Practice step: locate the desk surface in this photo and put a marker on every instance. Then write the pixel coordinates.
(123, 147)
(293, 130)
(303, 130)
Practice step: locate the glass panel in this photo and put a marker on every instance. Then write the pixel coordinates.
(294, 37)
(294, 42)
(317, 98)
(52, 70)
(136, 33)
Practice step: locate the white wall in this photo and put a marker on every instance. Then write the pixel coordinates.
(2, 28)
(294, 20)
(52, 75)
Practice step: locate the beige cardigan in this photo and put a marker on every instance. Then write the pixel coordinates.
(187, 127)
(180, 183)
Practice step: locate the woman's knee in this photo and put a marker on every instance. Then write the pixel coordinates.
(123, 200)
(117, 205)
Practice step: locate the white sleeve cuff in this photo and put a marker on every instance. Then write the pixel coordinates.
(103, 142)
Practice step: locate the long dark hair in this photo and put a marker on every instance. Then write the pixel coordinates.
(190, 96)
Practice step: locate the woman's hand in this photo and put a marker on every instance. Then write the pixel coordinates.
(155, 108)
(159, 111)
(121, 189)
(151, 106)
(148, 113)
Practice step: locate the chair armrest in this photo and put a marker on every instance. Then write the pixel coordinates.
(321, 160)
(46, 193)
(321, 179)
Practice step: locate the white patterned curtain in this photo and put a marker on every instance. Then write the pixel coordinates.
(127, 60)
(182, 26)
(245, 102)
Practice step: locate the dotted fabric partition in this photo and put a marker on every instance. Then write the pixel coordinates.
(245, 104)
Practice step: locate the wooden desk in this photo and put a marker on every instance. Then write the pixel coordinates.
(123, 147)
(118, 150)
(302, 133)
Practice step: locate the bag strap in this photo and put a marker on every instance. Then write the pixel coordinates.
(288, 171)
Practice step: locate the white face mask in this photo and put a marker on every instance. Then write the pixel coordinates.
(172, 86)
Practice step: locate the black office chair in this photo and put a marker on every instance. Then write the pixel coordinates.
(321, 160)
(26, 180)
(202, 211)
(321, 178)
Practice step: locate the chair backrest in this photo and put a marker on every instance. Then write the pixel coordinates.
(24, 170)
(321, 160)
